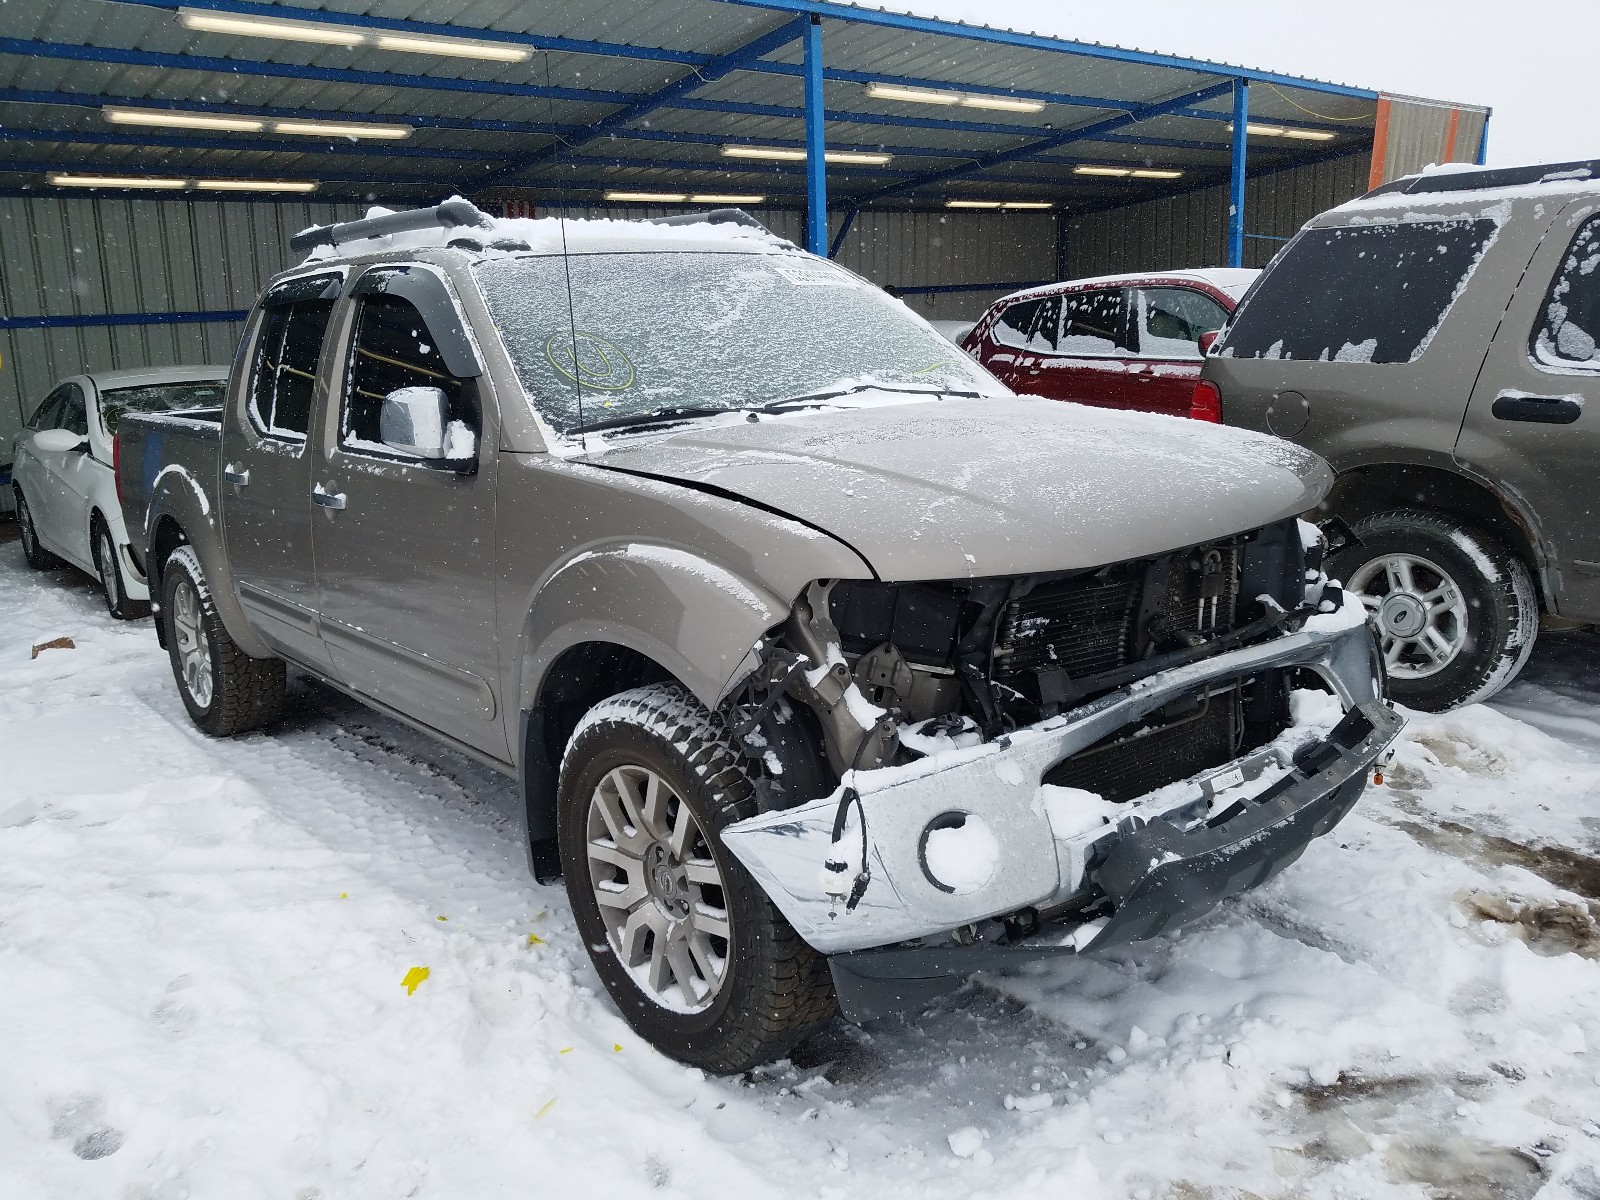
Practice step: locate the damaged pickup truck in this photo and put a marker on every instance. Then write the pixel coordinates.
(832, 671)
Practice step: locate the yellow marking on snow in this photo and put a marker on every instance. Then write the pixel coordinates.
(441, 918)
(568, 1050)
(544, 1108)
(616, 1047)
(535, 940)
(413, 979)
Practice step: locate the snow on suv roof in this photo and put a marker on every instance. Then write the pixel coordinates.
(1232, 280)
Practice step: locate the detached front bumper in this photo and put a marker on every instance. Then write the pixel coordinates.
(1169, 859)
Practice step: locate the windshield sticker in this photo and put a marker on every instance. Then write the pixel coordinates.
(810, 274)
(592, 363)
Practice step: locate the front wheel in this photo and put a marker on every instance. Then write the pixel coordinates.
(224, 689)
(694, 954)
(1455, 611)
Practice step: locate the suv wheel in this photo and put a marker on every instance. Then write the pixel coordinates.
(108, 566)
(225, 690)
(37, 556)
(700, 962)
(1455, 611)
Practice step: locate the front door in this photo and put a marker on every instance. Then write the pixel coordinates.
(406, 548)
(1533, 424)
(266, 465)
(1169, 322)
(66, 479)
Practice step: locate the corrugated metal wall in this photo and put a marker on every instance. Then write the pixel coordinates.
(94, 257)
(1191, 230)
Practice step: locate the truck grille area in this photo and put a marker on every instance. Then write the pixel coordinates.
(1132, 762)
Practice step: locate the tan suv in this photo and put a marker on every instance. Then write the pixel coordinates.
(1436, 342)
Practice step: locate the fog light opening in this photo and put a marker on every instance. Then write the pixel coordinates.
(958, 853)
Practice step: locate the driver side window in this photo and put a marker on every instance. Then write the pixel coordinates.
(44, 417)
(394, 350)
(74, 415)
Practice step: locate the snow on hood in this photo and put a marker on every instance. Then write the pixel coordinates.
(956, 488)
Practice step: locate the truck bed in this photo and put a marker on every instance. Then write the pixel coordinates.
(150, 445)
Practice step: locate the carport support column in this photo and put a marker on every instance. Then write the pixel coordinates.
(1241, 134)
(816, 145)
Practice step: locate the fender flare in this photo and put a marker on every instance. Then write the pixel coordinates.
(692, 616)
(176, 495)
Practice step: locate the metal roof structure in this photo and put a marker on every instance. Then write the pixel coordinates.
(642, 96)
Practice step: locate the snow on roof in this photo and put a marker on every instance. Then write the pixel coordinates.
(1232, 280)
(558, 235)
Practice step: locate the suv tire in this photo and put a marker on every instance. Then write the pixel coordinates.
(1456, 612)
(36, 555)
(225, 690)
(108, 565)
(648, 782)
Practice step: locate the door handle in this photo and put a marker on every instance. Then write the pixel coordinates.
(236, 475)
(326, 497)
(1543, 410)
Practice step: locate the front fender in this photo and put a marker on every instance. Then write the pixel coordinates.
(692, 616)
(177, 496)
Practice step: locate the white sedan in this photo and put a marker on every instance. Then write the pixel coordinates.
(66, 489)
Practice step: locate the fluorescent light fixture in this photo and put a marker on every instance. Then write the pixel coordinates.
(341, 129)
(1289, 131)
(916, 95)
(1111, 171)
(648, 197)
(1030, 204)
(270, 27)
(1001, 204)
(1129, 172)
(171, 119)
(255, 185)
(72, 179)
(920, 95)
(1155, 173)
(972, 204)
(722, 198)
(349, 36)
(1001, 103)
(784, 154)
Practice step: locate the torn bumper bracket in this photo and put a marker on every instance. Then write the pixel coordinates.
(1156, 876)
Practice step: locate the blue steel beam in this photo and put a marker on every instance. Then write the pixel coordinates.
(168, 141)
(1236, 172)
(1033, 149)
(844, 228)
(1032, 41)
(430, 183)
(695, 79)
(816, 143)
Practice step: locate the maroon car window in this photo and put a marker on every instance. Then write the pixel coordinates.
(1568, 335)
(1093, 324)
(1171, 320)
(1016, 324)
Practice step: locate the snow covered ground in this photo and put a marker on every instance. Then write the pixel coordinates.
(203, 947)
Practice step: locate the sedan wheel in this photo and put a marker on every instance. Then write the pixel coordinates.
(658, 889)
(1420, 612)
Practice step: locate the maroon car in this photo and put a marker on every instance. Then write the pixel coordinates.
(1118, 341)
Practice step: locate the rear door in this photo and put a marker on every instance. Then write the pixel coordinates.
(1086, 350)
(1533, 425)
(1168, 322)
(266, 464)
(406, 549)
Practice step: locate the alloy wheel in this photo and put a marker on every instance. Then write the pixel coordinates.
(106, 560)
(1421, 613)
(194, 646)
(659, 889)
(30, 541)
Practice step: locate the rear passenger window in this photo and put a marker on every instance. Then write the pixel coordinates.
(393, 349)
(1171, 321)
(1359, 293)
(1092, 324)
(1016, 323)
(283, 376)
(1568, 334)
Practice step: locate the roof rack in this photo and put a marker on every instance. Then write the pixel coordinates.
(451, 214)
(1491, 177)
(715, 216)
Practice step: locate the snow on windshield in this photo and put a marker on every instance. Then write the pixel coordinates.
(633, 334)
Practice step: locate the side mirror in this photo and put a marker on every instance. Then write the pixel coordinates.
(1207, 340)
(416, 421)
(56, 441)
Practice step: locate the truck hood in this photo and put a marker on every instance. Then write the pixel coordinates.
(953, 488)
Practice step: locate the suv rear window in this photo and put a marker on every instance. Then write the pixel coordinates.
(1569, 333)
(1360, 293)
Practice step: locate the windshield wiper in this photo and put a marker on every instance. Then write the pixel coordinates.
(655, 416)
(818, 397)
